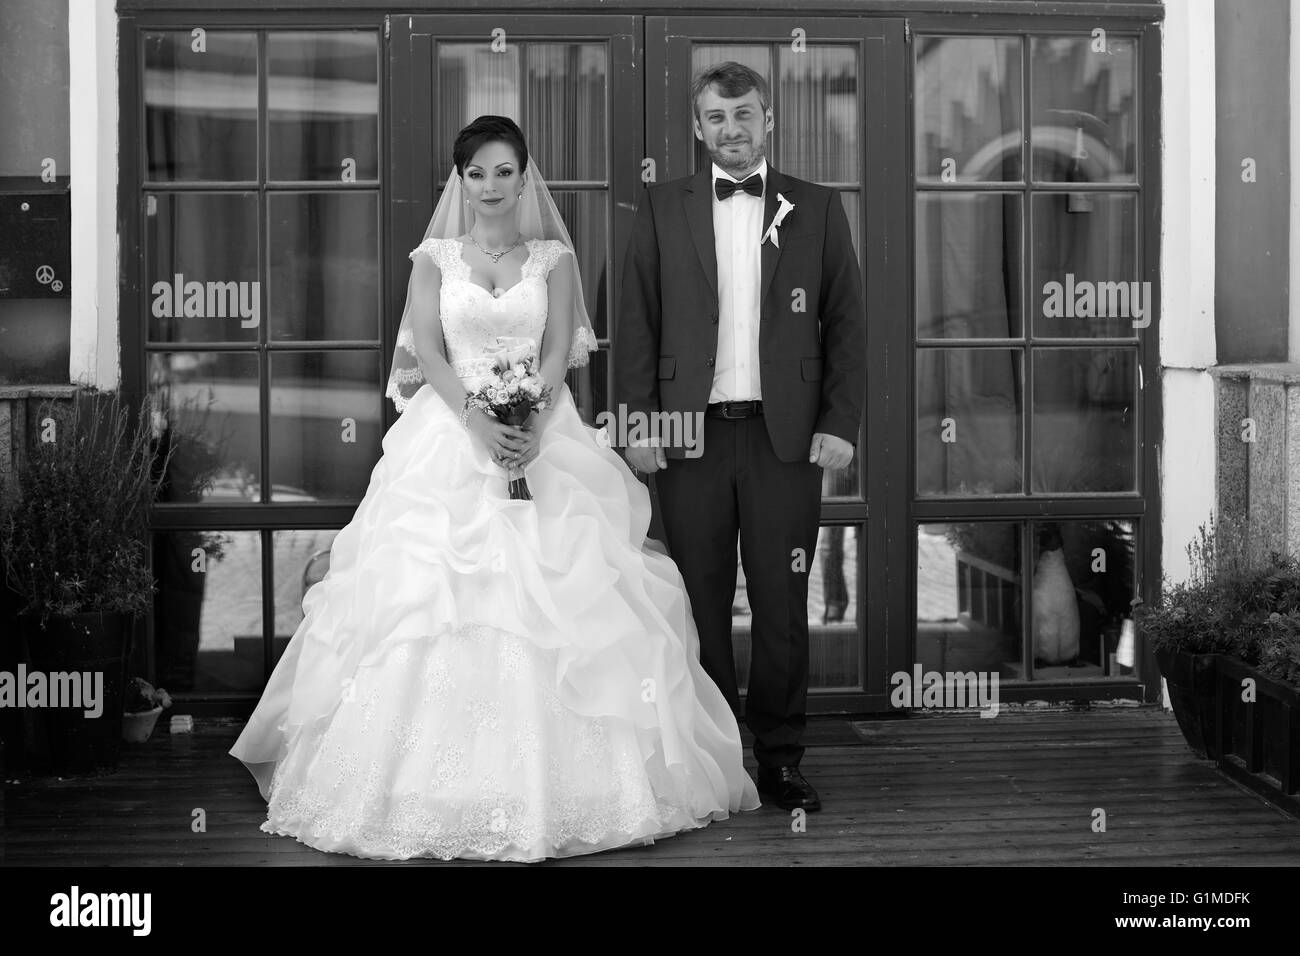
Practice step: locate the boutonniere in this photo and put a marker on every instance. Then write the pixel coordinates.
(782, 210)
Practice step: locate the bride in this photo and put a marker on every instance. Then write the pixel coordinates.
(477, 676)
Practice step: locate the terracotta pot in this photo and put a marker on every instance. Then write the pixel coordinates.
(138, 727)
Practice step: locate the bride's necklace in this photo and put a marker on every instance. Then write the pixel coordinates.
(494, 256)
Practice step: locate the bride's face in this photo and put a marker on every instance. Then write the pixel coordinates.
(492, 181)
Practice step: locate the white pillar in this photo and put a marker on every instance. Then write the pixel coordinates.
(92, 88)
(1189, 457)
(1187, 342)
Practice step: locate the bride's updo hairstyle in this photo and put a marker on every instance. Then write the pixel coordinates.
(489, 129)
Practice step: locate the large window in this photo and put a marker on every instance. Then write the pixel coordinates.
(1031, 325)
(261, 310)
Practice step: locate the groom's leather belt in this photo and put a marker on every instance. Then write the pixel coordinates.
(734, 410)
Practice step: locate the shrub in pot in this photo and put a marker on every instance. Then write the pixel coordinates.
(73, 539)
(1222, 608)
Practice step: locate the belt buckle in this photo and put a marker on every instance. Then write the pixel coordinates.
(726, 411)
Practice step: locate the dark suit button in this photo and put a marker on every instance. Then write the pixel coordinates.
(713, 318)
(710, 363)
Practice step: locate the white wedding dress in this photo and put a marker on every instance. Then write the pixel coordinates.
(493, 679)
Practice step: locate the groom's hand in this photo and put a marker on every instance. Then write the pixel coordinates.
(642, 457)
(830, 451)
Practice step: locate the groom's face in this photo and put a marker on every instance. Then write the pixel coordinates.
(492, 180)
(733, 130)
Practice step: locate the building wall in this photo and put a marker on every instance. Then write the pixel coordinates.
(34, 68)
(1252, 54)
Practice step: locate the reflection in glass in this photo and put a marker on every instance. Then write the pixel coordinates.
(968, 115)
(208, 406)
(201, 267)
(1086, 266)
(968, 597)
(1085, 109)
(968, 430)
(1084, 420)
(1083, 584)
(299, 559)
(818, 94)
(322, 100)
(323, 281)
(834, 641)
(208, 610)
(584, 214)
(200, 106)
(326, 424)
(969, 256)
(566, 109)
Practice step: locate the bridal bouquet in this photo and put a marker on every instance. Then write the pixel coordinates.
(512, 391)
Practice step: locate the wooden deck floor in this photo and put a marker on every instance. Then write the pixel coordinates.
(930, 790)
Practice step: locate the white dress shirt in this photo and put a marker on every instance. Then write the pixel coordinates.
(737, 227)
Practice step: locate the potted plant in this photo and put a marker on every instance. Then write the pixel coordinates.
(1214, 612)
(143, 704)
(73, 533)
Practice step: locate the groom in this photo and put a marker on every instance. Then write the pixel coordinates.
(742, 300)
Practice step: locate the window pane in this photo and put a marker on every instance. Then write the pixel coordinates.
(208, 610)
(566, 109)
(201, 267)
(472, 81)
(1085, 420)
(968, 600)
(324, 265)
(326, 424)
(818, 96)
(299, 560)
(852, 201)
(200, 106)
(968, 115)
(834, 637)
(1083, 585)
(322, 99)
(208, 408)
(1086, 266)
(968, 430)
(1085, 109)
(969, 260)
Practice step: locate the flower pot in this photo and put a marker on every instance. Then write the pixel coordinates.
(1190, 679)
(137, 727)
(93, 646)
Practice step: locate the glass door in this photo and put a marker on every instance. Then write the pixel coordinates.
(838, 123)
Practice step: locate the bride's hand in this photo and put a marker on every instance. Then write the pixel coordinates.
(502, 441)
(532, 442)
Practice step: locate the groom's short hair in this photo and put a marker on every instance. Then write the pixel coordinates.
(732, 80)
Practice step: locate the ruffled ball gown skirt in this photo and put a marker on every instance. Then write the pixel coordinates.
(484, 678)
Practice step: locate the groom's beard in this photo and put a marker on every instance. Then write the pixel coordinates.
(744, 159)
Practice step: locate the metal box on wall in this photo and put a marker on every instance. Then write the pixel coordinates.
(35, 238)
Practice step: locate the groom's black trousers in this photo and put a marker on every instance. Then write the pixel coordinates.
(738, 485)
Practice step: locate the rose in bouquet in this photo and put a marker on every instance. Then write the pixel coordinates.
(512, 391)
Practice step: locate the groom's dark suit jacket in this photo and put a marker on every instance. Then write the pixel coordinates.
(813, 372)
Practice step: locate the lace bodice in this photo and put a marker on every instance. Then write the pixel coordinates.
(473, 319)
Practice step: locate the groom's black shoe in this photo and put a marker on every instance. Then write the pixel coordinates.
(788, 788)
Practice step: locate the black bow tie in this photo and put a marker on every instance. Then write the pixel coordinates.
(726, 187)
